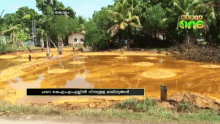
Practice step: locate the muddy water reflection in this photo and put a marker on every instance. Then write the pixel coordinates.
(8, 63)
(16, 60)
(127, 72)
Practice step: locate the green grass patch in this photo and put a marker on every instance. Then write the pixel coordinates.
(136, 105)
(9, 48)
(152, 115)
(147, 110)
(131, 109)
(2, 46)
(25, 109)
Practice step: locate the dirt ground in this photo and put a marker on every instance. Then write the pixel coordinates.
(200, 101)
(27, 119)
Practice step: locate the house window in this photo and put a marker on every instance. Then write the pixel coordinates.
(81, 39)
(75, 39)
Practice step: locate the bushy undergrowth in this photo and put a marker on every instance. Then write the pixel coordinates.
(2, 46)
(195, 52)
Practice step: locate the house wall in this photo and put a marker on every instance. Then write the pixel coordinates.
(78, 36)
(70, 39)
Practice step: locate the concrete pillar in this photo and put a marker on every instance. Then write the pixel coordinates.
(163, 93)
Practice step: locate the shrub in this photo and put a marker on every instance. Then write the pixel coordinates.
(2, 46)
(200, 53)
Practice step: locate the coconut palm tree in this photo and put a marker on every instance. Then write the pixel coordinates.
(182, 7)
(1, 20)
(124, 17)
(2, 13)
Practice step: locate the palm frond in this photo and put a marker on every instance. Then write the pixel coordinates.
(213, 13)
(114, 29)
(177, 5)
(167, 20)
(123, 25)
(194, 4)
(116, 21)
(117, 15)
(169, 10)
(1, 14)
(132, 24)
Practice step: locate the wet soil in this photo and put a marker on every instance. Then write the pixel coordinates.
(184, 79)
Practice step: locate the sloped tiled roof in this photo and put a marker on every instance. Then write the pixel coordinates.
(80, 32)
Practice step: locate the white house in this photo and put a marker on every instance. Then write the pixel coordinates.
(76, 38)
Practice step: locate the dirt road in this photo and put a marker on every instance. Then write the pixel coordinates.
(61, 120)
(75, 120)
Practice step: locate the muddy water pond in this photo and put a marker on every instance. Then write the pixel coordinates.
(131, 71)
(7, 61)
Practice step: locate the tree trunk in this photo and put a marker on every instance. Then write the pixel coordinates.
(163, 34)
(48, 49)
(12, 40)
(73, 46)
(42, 44)
(158, 33)
(187, 37)
(60, 44)
(22, 43)
(155, 33)
(135, 41)
(59, 47)
(128, 43)
(123, 39)
(107, 47)
(119, 39)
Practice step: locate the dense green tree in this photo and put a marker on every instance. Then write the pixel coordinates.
(96, 29)
(211, 12)
(57, 27)
(153, 17)
(61, 27)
